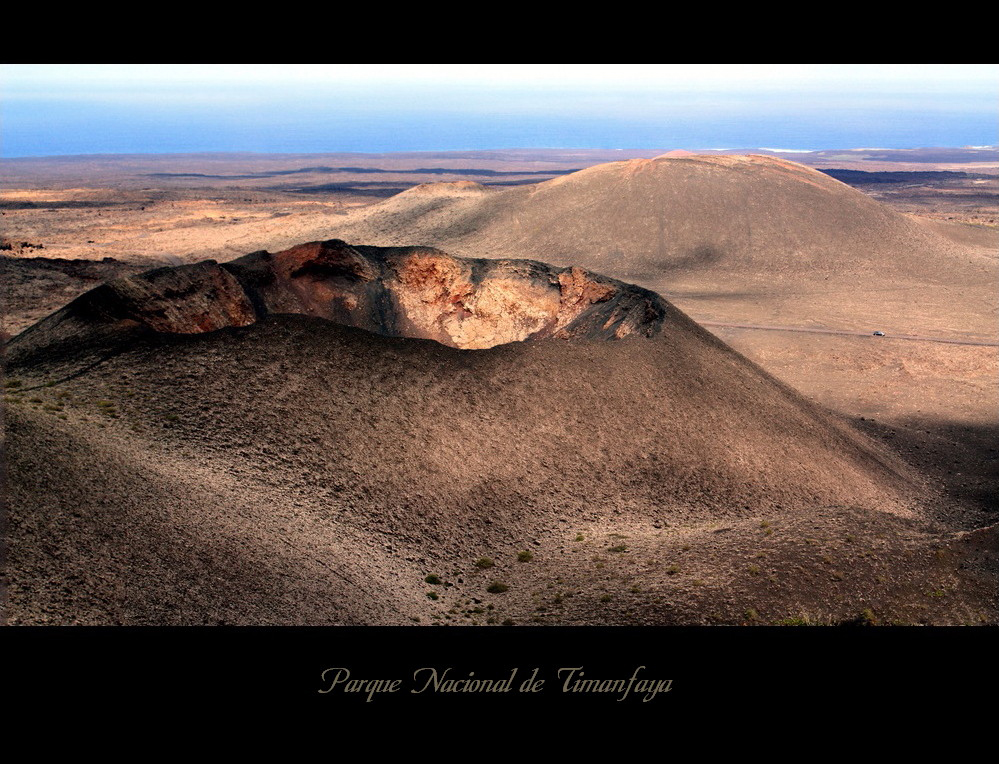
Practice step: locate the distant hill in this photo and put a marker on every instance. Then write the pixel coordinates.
(707, 224)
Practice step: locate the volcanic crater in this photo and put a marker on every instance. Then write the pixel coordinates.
(304, 438)
(415, 292)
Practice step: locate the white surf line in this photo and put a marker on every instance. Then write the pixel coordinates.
(849, 334)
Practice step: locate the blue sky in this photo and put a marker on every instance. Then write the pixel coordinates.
(147, 108)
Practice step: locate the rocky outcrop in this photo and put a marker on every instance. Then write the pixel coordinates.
(395, 291)
(188, 299)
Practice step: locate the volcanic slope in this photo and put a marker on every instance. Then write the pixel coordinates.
(722, 237)
(282, 468)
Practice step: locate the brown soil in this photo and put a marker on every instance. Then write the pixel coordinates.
(303, 472)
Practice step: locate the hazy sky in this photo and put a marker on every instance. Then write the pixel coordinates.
(112, 108)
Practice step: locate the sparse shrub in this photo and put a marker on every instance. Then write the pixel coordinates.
(618, 548)
(484, 562)
(754, 570)
(11, 384)
(606, 598)
(867, 618)
(497, 587)
(524, 556)
(108, 409)
(433, 595)
(801, 620)
(433, 580)
(579, 537)
(673, 569)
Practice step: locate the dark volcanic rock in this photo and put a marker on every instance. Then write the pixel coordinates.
(189, 299)
(33, 287)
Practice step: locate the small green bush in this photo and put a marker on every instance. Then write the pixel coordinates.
(794, 621)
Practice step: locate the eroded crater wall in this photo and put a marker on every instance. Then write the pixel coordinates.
(397, 291)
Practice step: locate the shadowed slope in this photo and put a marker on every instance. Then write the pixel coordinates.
(296, 471)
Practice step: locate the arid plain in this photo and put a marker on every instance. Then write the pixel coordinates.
(304, 464)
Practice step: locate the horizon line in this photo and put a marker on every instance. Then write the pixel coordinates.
(993, 147)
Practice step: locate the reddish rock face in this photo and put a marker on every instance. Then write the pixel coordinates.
(189, 299)
(395, 291)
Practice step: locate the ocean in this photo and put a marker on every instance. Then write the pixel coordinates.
(40, 127)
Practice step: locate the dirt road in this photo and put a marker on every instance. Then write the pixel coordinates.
(849, 333)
